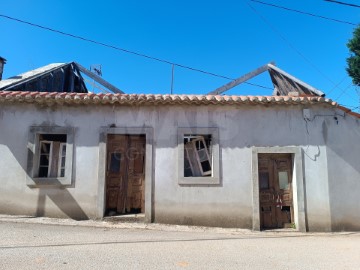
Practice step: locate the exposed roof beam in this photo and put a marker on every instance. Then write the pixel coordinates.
(283, 73)
(98, 79)
(13, 82)
(94, 84)
(240, 80)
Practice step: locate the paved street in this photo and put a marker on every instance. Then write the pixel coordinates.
(39, 246)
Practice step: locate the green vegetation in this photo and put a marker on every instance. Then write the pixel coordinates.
(353, 61)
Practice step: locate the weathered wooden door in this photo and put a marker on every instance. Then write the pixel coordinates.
(275, 191)
(125, 174)
(136, 174)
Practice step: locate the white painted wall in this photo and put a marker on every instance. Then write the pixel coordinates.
(330, 158)
(343, 154)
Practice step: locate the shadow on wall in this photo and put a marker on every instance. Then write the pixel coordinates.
(65, 205)
(343, 152)
(62, 199)
(51, 200)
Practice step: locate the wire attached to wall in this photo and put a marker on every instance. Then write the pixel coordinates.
(307, 120)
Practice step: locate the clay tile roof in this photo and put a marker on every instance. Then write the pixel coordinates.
(77, 99)
(149, 99)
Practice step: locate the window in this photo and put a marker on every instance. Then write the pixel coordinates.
(264, 180)
(50, 151)
(198, 151)
(52, 155)
(197, 155)
(115, 161)
(283, 180)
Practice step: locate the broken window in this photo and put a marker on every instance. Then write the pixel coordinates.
(197, 155)
(52, 155)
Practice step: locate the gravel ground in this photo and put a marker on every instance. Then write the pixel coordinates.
(43, 243)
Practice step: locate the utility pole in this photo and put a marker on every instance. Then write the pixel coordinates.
(172, 79)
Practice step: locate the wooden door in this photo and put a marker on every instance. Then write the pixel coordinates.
(136, 175)
(275, 191)
(125, 174)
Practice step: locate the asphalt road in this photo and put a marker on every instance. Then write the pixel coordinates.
(39, 246)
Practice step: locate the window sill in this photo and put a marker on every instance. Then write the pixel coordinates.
(48, 182)
(199, 181)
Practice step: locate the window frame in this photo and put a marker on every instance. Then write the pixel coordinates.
(60, 167)
(192, 145)
(33, 161)
(49, 154)
(214, 179)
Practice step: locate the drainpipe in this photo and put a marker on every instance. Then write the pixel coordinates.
(2, 63)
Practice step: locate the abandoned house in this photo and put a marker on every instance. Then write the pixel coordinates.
(290, 159)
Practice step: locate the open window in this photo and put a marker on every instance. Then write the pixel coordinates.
(198, 156)
(50, 156)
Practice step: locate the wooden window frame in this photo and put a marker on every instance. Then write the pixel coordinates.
(50, 157)
(193, 145)
(60, 167)
(214, 159)
(33, 162)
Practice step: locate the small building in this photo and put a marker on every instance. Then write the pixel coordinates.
(256, 162)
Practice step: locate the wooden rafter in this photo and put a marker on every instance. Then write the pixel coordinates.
(240, 80)
(99, 79)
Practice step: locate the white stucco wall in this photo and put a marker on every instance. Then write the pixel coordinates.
(343, 154)
(330, 155)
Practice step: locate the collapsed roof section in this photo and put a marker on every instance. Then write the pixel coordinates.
(284, 83)
(74, 78)
(58, 77)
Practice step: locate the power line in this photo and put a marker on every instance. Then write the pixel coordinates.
(352, 108)
(343, 3)
(343, 91)
(332, 89)
(125, 50)
(303, 12)
(258, 85)
(292, 46)
(288, 42)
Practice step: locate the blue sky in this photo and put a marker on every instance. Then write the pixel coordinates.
(224, 37)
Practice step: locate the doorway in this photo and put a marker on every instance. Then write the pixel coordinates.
(275, 191)
(125, 174)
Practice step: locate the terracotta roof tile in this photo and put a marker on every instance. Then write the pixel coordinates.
(149, 99)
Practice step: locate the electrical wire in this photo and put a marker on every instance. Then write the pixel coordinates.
(342, 3)
(291, 46)
(303, 12)
(337, 85)
(349, 106)
(343, 91)
(126, 50)
(288, 42)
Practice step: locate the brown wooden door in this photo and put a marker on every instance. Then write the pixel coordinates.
(136, 174)
(125, 174)
(275, 190)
